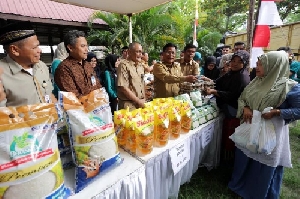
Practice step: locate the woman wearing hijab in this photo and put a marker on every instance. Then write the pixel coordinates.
(92, 58)
(257, 175)
(225, 64)
(110, 79)
(230, 86)
(59, 55)
(228, 89)
(209, 69)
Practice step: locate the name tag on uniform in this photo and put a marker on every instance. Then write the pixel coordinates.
(47, 99)
(93, 80)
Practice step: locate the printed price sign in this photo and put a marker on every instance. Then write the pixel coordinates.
(180, 155)
(207, 136)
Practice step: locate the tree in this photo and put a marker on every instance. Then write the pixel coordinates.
(226, 14)
(287, 7)
(117, 33)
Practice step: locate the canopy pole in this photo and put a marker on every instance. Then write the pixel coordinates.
(130, 28)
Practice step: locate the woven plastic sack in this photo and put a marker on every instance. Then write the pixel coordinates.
(91, 131)
(30, 164)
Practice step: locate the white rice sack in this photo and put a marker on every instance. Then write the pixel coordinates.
(30, 165)
(93, 141)
(196, 98)
(195, 119)
(202, 117)
(186, 98)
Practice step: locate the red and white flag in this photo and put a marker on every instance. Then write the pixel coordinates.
(267, 15)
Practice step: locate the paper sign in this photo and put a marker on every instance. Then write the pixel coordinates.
(207, 136)
(180, 155)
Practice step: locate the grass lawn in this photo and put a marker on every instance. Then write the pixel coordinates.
(213, 184)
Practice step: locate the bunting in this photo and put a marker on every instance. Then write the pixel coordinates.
(267, 15)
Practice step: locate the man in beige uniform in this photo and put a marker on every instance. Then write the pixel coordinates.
(2, 93)
(188, 65)
(25, 78)
(168, 74)
(130, 72)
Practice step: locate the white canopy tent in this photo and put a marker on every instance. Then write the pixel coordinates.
(127, 7)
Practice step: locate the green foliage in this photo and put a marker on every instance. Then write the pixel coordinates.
(288, 7)
(225, 14)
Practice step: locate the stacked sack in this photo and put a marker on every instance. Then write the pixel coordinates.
(30, 164)
(91, 133)
(201, 113)
(63, 141)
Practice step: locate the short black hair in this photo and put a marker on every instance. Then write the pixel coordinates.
(226, 46)
(70, 38)
(239, 43)
(124, 48)
(168, 45)
(286, 49)
(188, 46)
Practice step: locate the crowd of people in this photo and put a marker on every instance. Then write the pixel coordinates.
(25, 80)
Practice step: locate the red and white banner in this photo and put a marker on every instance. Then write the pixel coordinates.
(268, 15)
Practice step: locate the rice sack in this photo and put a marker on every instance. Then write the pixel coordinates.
(91, 131)
(30, 165)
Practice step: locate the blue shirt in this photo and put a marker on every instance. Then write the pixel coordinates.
(290, 108)
(54, 66)
(295, 68)
(110, 85)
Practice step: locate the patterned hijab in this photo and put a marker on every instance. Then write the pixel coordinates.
(270, 90)
(61, 52)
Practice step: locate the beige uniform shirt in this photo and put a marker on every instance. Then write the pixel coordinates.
(167, 79)
(132, 77)
(21, 87)
(189, 68)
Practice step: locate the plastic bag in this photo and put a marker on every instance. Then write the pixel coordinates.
(30, 164)
(241, 135)
(262, 135)
(252, 144)
(267, 137)
(91, 131)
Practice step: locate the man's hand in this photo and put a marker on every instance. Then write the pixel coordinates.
(205, 79)
(141, 103)
(247, 114)
(191, 78)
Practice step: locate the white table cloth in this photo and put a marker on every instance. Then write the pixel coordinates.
(125, 181)
(151, 176)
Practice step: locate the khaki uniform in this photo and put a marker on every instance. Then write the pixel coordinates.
(189, 68)
(21, 87)
(167, 79)
(132, 77)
